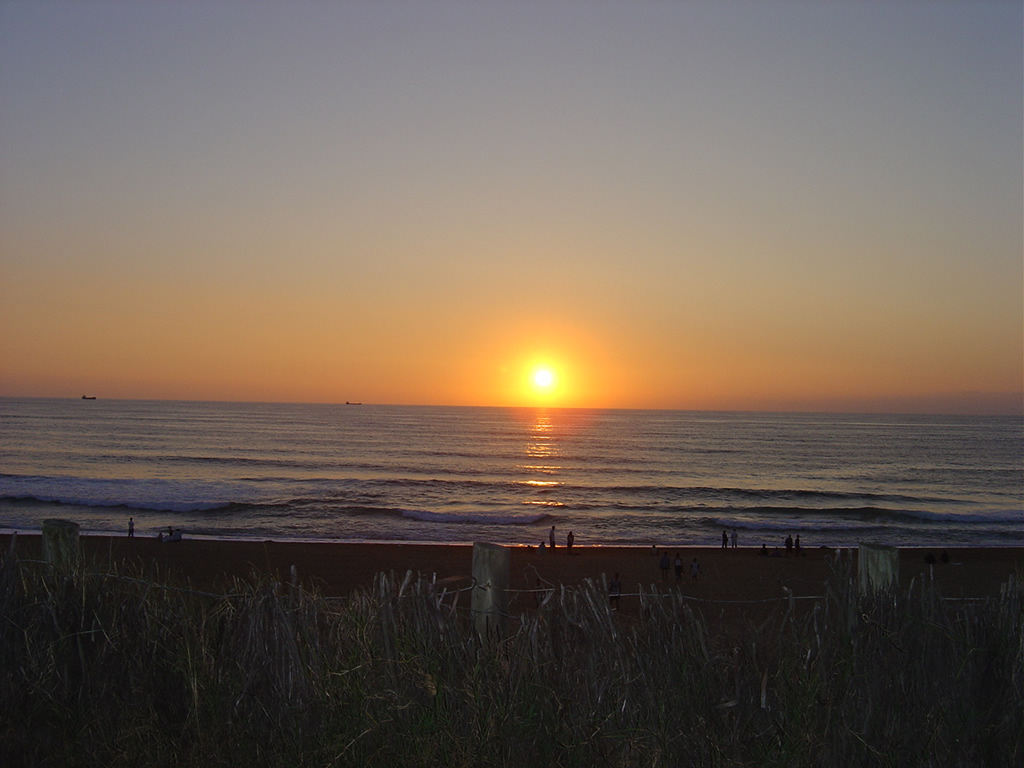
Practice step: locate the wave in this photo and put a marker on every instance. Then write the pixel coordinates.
(960, 518)
(475, 517)
(140, 505)
(784, 518)
(421, 515)
(801, 495)
(171, 496)
(147, 492)
(318, 503)
(156, 494)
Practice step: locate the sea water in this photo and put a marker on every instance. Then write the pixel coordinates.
(506, 475)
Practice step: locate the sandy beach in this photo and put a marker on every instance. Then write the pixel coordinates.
(334, 569)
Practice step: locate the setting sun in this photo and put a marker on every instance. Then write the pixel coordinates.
(544, 378)
(542, 385)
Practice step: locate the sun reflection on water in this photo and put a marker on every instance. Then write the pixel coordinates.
(542, 447)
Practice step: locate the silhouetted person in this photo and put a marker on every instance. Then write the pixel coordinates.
(569, 540)
(695, 569)
(679, 568)
(789, 545)
(735, 538)
(725, 540)
(131, 527)
(664, 566)
(551, 537)
(797, 545)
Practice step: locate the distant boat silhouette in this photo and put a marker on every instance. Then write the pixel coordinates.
(348, 403)
(87, 397)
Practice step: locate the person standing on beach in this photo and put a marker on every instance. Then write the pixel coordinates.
(695, 569)
(735, 538)
(551, 537)
(664, 566)
(569, 540)
(679, 568)
(131, 527)
(725, 540)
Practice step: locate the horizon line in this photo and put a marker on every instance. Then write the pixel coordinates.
(1012, 405)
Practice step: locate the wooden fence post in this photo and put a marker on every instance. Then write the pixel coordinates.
(491, 566)
(60, 543)
(878, 567)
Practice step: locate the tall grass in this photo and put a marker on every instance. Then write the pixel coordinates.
(126, 669)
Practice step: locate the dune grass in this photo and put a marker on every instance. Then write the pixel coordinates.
(130, 669)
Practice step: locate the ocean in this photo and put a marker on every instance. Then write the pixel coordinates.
(506, 475)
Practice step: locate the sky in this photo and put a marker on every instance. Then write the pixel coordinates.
(747, 205)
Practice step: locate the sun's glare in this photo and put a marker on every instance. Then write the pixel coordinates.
(542, 382)
(544, 378)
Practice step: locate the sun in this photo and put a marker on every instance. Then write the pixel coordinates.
(544, 379)
(542, 382)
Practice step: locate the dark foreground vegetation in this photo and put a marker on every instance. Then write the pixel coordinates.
(102, 669)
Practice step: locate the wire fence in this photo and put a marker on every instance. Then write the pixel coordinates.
(654, 592)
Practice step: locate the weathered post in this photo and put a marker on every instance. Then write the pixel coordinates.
(878, 567)
(60, 543)
(491, 566)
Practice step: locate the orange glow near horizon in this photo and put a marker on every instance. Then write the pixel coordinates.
(494, 366)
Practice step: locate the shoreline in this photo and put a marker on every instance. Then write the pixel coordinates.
(336, 569)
